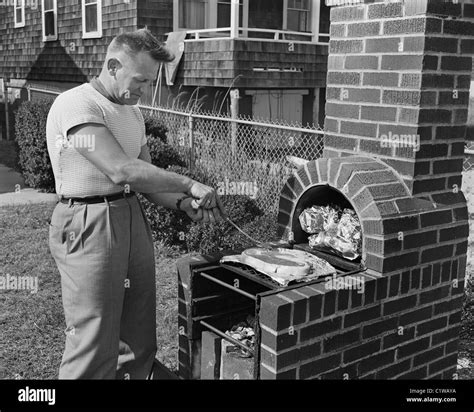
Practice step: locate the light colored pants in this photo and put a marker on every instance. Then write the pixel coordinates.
(104, 253)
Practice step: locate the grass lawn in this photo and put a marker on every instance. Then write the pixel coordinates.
(32, 325)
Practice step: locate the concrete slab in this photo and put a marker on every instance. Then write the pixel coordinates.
(9, 179)
(25, 197)
(14, 192)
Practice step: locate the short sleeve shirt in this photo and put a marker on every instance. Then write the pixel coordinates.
(75, 176)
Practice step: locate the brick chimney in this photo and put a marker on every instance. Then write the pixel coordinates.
(398, 88)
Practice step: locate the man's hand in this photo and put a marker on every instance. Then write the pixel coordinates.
(205, 197)
(199, 214)
(196, 215)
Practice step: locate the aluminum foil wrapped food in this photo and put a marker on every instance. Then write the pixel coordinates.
(319, 218)
(341, 231)
(342, 246)
(349, 229)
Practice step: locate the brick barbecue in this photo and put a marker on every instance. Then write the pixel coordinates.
(395, 68)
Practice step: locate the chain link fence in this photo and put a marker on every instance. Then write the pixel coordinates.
(469, 157)
(241, 156)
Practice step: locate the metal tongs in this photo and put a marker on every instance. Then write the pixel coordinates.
(257, 242)
(228, 219)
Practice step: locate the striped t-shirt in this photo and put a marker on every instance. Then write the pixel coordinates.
(75, 176)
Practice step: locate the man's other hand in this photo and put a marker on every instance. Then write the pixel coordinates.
(195, 214)
(199, 214)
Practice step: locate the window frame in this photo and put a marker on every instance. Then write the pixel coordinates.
(22, 23)
(210, 15)
(99, 32)
(177, 16)
(245, 13)
(309, 14)
(43, 15)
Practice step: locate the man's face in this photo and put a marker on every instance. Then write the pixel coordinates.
(135, 76)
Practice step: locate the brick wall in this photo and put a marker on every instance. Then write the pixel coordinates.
(392, 68)
(405, 324)
(402, 68)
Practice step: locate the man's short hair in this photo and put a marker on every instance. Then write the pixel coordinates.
(141, 41)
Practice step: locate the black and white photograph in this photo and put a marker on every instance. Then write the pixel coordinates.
(225, 191)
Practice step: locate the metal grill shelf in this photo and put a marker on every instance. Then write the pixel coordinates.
(263, 284)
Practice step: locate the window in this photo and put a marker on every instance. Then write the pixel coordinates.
(19, 12)
(206, 14)
(223, 12)
(50, 19)
(278, 105)
(91, 19)
(298, 13)
(192, 14)
(324, 22)
(266, 14)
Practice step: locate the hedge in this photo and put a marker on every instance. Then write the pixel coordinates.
(168, 225)
(30, 135)
(155, 127)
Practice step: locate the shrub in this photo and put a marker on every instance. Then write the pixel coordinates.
(168, 226)
(155, 127)
(30, 135)
(163, 154)
(262, 228)
(208, 237)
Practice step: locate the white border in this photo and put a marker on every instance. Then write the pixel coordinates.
(22, 22)
(55, 11)
(95, 34)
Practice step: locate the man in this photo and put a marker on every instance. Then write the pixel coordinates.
(99, 235)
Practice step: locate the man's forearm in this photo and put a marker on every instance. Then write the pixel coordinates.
(144, 177)
(167, 200)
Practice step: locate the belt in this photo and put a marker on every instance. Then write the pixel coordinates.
(96, 199)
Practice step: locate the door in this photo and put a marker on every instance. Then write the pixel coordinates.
(278, 105)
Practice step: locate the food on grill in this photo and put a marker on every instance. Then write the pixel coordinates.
(349, 229)
(312, 220)
(325, 239)
(283, 265)
(333, 228)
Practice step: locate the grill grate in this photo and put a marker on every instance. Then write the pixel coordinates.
(250, 272)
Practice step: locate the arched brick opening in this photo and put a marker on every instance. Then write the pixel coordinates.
(364, 184)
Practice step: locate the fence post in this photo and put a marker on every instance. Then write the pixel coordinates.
(7, 102)
(191, 141)
(234, 109)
